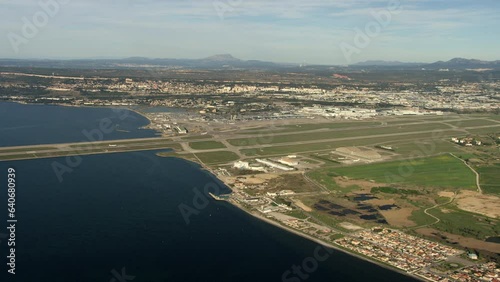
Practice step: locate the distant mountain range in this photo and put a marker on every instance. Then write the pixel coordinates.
(461, 63)
(227, 61)
(453, 64)
(386, 63)
(216, 61)
(223, 61)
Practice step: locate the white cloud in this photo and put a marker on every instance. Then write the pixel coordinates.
(259, 29)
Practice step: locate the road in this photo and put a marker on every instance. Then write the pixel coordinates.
(426, 211)
(475, 172)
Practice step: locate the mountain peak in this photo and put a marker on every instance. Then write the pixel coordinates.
(462, 60)
(222, 58)
(463, 63)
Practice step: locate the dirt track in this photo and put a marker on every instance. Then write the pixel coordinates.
(463, 241)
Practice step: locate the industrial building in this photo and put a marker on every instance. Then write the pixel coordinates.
(274, 165)
(288, 161)
(180, 130)
(246, 166)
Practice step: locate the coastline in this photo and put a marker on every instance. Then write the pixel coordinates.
(286, 228)
(141, 114)
(307, 236)
(94, 107)
(325, 244)
(84, 106)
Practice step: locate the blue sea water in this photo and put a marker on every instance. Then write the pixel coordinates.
(120, 212)
(22, 124)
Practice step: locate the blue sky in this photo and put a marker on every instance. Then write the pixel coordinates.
(308, 31)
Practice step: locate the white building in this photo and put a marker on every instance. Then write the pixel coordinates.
(274, 165)
(181, 130)
(241, 165)
(288, 161)
(246, 166)
(286, 193)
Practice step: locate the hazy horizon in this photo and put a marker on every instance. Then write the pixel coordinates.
(244, 59)
(312, 32)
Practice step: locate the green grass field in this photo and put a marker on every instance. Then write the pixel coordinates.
(392, 190)
(495, 117)
(489, 177)
(426, 147)
(297, 213)
(197, 137)
(473, 122)
(206, 145)
(448, 116)
(452, 221)
(336, 125)
(310, 126)
(313, 136)
(283, 150)
(487, 130)
(442, 171)
(420, 218)
(324, 179)
(323, 146)
(327, 181)
(217, 157)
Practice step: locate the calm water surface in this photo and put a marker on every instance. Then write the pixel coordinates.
(121, 210)
(47, 124)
